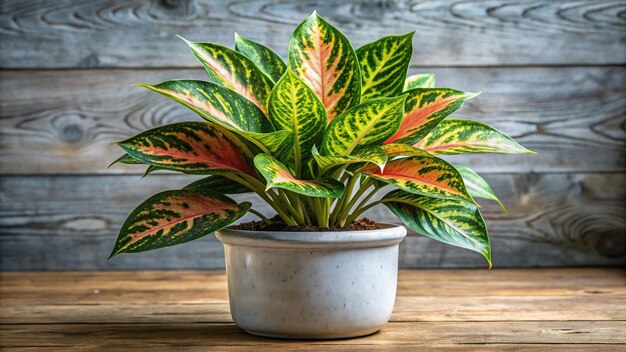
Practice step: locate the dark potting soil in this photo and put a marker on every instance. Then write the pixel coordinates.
(278, 225)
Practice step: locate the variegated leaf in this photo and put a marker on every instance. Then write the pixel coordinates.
(279, 143)
(263, 57)
(323, 58)
(278, 176)
(454, 136)
(447, 220)
(215, 103)
(384, 64)
(477, 186)
(423, 80)
(174, 217)
(424, 109)
(423, 174)
(149, 170)
(370, 123)
(398, 149)
(125, 159)
(218, 184)
(371, 154)
(228, 109)
(234, 71)
(295, 107)
(191, 147)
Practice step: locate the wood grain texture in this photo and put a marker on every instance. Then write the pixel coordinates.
(523, 309)
(138, 33)
(70, 222)
(51, 123)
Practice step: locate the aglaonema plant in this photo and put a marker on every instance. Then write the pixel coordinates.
(316, 137)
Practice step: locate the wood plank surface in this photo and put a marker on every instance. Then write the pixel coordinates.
(143, 33)
(63, 122)
(71, 222)
(482, 310)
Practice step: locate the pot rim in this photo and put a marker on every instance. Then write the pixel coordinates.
(387, 235)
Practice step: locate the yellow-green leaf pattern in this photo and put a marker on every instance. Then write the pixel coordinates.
(371, 154)
(384, 64)
(295, 107)
(423, 174)
(263, 57)
(215, 103)
(218, 184)
(454, 136)
(191, 147)
(370, 123)
(477, 186)
(422, 80)
(447, 220)
(174, 217)
(125, 159)
(234, 71)
(323, 58)
(278, 176)
(424, 109)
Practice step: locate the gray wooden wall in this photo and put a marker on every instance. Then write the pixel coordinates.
(552, 74)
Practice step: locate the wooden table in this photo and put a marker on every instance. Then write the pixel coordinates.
(476, 310)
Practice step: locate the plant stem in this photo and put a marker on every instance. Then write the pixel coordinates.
(359, 211)
(344, 213)
(347, 194)
(261, 216)
(269, 197)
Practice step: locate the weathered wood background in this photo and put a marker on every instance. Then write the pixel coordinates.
(552, 75)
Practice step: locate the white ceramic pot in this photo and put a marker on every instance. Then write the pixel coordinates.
(312, 285)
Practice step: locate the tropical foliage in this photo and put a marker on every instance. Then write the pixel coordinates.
(316, 137)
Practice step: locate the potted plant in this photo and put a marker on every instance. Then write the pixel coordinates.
(316, 137)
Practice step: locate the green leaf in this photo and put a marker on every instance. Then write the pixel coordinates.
(424, 80)
(371, 154)
(477, 186)
(234, 71)
(323, 58)
(295, 107)
(423, 174)
(149, 170)
(398, 149)
(218, 184)
(454, 136)
(278, 176)
(263, 57)
(174, 217)
(424, 109)
(384, 64)
(370, 123)
(279, 144)
(447, 220)
(191, 147)
(228, 109)
(126, 159)
(215, 103)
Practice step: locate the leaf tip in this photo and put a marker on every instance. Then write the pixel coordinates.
(470, 95)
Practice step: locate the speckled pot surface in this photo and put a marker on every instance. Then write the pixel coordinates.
(312, 285)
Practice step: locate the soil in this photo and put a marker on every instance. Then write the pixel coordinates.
(278, 225)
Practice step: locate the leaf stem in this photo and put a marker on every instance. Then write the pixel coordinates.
(261, 216)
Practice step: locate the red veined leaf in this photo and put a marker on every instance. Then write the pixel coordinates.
(424, 109)
(454, 136)
(235, 71)
(191, 147)
(324, 59)
(174, 217)
(422, 174)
